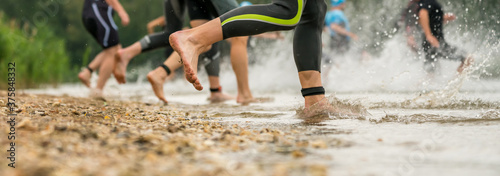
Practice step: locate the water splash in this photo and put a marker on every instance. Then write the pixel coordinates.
(332, 108)
(487, 116)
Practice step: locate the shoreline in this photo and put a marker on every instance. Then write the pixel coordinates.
(59, 135)
(64, 135)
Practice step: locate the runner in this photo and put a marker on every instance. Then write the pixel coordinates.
(199, 12)
(97, 18)
(305, 16)
(431, 19)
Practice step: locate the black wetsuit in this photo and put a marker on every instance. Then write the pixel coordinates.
(174, 16)
(305, 16)
(436, 16)
(97, 18)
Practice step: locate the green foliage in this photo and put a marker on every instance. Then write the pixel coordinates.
(39, 55)
(64, 17)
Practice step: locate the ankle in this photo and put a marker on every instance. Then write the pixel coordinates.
(158, 72)
(192, 38)
(312, 100)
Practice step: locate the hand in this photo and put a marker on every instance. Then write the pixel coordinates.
(125, 19)
(151, 26)
(433, 41)
(410, 40)
(450, 17)
(354, 37)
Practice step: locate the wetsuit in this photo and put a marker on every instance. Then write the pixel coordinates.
(305, 16)
(436, 16)
(174, 16)
(98, 20)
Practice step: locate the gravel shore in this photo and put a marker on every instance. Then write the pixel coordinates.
(64, 135)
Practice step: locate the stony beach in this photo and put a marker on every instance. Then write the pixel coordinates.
(63, 135)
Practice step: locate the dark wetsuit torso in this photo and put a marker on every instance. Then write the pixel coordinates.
(97, 17)
(436, 17)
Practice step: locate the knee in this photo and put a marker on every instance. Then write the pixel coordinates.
(207, 48)
(288, 10)
(320, 12)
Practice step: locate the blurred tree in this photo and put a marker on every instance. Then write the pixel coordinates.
(40, 56)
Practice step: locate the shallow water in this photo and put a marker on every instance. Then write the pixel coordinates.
(406, 133)
(447, 125)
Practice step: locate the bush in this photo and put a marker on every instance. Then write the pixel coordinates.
(39, 55)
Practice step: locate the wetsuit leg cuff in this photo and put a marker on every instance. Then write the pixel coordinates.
(145, 41)
(219, 89)
(313, 91)
(166, 69)
(88, 68)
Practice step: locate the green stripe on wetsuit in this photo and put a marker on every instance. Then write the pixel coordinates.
(305, 16)
(277, 21)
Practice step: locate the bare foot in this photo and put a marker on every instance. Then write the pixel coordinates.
(97, 94)
(157, 77)
(84, 77)
(121, 60)
(219, 97)
(189, 49)
(325, 109)
(466, 64)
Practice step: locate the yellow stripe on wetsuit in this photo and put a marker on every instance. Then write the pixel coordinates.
(268, 19)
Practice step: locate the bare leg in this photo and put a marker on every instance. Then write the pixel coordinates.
(84, 77)
(311, 79)
(123, 57)
(190, 43)
(239, 61)
(158, 76)
(216, 97)
(214, 80)
(105, 70)
(85, 74)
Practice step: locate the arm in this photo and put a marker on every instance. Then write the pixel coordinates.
(160, 21)
(339, 29)
(120, 10)
(424, 22)
(448, 17)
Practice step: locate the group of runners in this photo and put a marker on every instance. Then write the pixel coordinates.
(216, 20)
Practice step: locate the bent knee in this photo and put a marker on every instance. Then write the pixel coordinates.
(288, 10)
